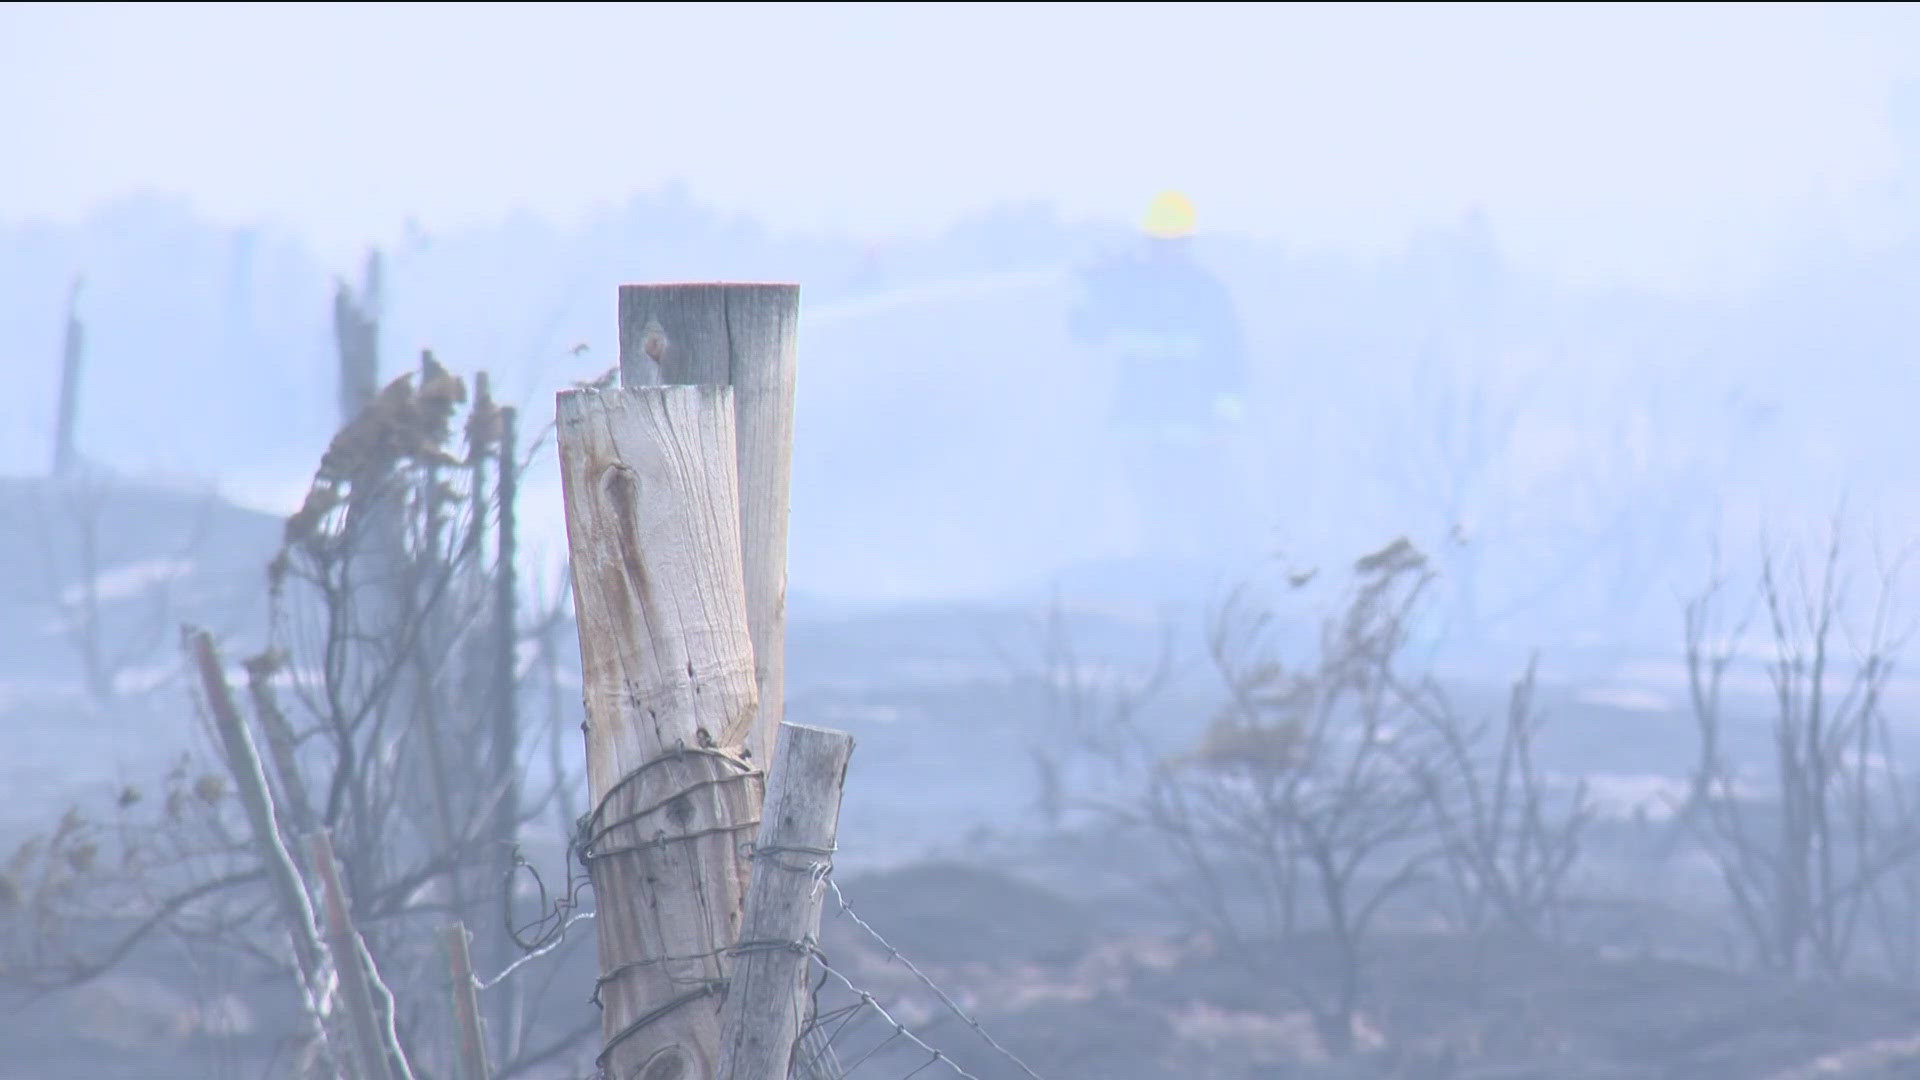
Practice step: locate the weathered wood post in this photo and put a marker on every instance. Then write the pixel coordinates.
(72, 347)
(256, 798)
(766, 999)
(243, 764)
(366, 997)
(652, 515)
(743, 336)
(466, 1003)
(506, 718)
(356, 329)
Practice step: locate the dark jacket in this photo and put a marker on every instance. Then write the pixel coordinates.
(1171, 329)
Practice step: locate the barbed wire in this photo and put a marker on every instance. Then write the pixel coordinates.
(830, 1033)
(555, 917)
(698, 987)
(822, 1061)
(547, 931)
(824, 1034)
(553, 943)
(895, 956)
(558, 915)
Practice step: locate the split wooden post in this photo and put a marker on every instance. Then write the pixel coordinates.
(281, 743)
(250, 780)
(743, 336)
(356, 331)
(256, 797)
(667, 667)
(766, 1001)
(379, 1054)
(504, 1004)
(72, 348)
(466, 1003)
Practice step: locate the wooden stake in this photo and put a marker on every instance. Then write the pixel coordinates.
(667, 665)
(767, 998)
(356, 330)
(466, 1003)
(504, 1007)
(378, 1052)
(250, 780)
(65, 460)
(743, 336)
(281, 744)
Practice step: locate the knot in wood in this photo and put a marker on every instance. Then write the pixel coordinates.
(654, 342)
(669, 1064)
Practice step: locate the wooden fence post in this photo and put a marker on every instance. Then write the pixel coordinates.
(668, 683)
(743, 336)
(360, 987)
(72, 348)
(250, 780)
(256, 798)
(766, 1000)
(466, 1003)
(356, 330)
(505, 1005)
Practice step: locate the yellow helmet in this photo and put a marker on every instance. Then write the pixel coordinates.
(1170, 216)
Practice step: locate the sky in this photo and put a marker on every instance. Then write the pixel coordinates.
(1671, 145)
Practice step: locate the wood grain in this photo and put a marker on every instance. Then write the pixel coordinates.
(766, 1002)
(652, 521)
(745, 337)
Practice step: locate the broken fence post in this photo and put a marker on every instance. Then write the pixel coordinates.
(668, 683)
(767, 998)
(745, 337)
(466, 1003)
(374, 1043)
(256, 797)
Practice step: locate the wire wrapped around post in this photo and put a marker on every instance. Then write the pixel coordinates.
(669, 687)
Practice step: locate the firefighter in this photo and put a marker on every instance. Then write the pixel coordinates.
(1169, 331)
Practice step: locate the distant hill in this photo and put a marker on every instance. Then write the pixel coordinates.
(147, 557)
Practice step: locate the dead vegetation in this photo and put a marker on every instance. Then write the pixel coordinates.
(1341, 814)
(385, 716)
